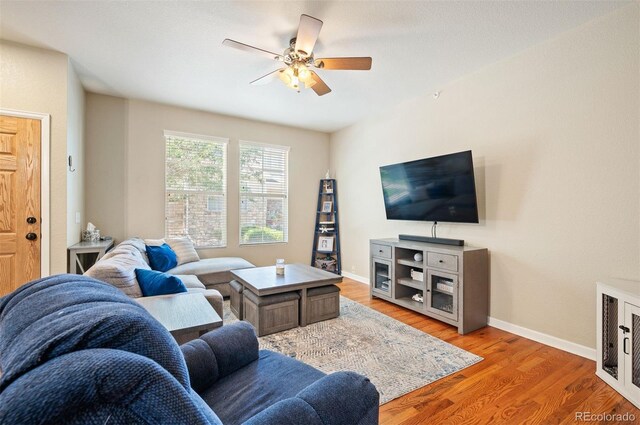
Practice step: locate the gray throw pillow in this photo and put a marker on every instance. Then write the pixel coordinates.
(119, 270)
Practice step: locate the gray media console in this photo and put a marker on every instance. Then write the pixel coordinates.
(448, 283)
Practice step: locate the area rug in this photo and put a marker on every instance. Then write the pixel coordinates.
(395, 357)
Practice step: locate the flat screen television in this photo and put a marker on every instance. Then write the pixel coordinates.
(441, 188)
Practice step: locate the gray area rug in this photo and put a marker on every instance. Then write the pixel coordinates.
(395, 357)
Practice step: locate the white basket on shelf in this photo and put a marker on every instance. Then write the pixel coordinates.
(328, 265)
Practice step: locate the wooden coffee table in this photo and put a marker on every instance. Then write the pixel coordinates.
(297, 277)
(186, 316)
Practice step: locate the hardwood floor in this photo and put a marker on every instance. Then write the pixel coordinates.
(518, 382)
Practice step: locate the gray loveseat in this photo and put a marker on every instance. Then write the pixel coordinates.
(209, 276)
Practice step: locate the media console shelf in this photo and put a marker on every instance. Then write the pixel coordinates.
(448, 283)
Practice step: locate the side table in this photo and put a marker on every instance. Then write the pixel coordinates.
(85, 254)
(186, 316)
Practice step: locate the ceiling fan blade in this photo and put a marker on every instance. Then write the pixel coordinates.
(245, 47)
(308, 31)
(266, 79)
(362, 63)
(320, 87)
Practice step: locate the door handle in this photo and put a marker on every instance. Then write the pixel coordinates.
(32, 220)
(31, 236)
(624, 345)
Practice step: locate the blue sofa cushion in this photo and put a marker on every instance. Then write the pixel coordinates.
(220, 353)
(157, 283)
(51, 317)
(275, 377)
(161, 257)
(350, 410)
(101, 386)
(292, 411)
(201, 362)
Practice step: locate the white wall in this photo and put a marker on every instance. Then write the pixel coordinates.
(555, 136)
(75, 148)
(35, 80)
(136, 159)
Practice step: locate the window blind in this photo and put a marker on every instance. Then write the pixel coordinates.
(196, 188)
(264, 189)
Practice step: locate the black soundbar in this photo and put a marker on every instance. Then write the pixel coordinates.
(428, 239)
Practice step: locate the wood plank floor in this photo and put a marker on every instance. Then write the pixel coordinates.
(518, 382)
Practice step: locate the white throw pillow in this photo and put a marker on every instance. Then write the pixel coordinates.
(154, 242)
(184, 249)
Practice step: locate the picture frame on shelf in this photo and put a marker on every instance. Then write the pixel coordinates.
(325, 244)
(327, 206)
(328, 187)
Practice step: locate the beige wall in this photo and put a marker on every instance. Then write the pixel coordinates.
(555, 137)
(132, 130)
(75, 148)
(106, 134)
(35, 80)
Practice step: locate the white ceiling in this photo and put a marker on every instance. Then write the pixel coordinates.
(171, 52)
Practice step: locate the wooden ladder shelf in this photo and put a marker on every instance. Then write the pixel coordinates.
(325, 252)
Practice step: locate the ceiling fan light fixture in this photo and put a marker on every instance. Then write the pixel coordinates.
(290, 78)
(299, 57)
(297, 76)
(304, 74)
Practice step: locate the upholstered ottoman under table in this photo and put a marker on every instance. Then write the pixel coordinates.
(323, 303)
(271, 313)
(235, 294)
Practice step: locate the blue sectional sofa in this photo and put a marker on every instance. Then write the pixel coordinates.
(77, 350)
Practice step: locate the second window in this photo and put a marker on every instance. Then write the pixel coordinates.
(264, 189)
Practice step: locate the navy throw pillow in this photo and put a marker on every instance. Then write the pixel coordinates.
(161, 258)
(157, 283)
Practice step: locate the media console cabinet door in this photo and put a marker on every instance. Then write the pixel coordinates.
(381, 277)
(442, 294)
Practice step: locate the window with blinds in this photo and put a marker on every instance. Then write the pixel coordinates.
(264, 189)
(196, 188)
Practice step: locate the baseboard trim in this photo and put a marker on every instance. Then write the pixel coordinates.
(551, 341)
(355, 277)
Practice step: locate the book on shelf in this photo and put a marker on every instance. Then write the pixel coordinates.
(445, 287)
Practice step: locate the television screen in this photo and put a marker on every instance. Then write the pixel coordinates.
(441, 188)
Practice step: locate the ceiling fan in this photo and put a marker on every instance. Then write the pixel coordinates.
(298, 58)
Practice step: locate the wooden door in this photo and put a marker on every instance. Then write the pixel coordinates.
(19, 202)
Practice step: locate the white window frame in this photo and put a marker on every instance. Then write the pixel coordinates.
(204, 138)
(285, 197)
